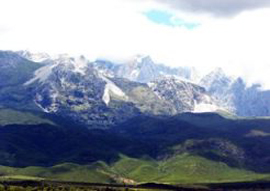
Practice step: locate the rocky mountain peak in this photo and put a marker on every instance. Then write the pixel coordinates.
(216, 78)
(183, 95)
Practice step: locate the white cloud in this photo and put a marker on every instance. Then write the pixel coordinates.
(118, 29)
(220, 8)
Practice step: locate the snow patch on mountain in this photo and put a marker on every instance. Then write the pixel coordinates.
(204, 107)
(111, 88)
(135, 73)
(53, 107)
(41, 74)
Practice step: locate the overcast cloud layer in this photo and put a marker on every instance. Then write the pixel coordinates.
(221, 8)
(118, 29)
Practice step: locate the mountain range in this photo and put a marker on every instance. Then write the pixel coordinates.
(170, 90)
(137, 121)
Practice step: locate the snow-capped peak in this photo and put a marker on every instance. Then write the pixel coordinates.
(35, 57)
(77, 64)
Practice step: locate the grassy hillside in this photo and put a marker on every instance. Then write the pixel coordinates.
(65, 172)
(183, 168)
(10, 116)
(189, 169)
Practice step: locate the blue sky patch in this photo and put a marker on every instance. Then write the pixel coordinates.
(168, 19)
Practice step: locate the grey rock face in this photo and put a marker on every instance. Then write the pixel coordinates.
(183, 96)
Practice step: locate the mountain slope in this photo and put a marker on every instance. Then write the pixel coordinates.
(11, 117)
(15, 70)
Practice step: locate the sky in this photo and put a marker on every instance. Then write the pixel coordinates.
(206, 34)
